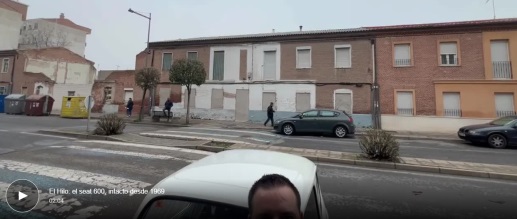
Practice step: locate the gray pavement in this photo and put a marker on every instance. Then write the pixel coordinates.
(428, 149)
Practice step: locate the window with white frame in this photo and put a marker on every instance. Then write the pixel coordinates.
(405, 105)
(5, 65)
(192, 55)
(218, 66)
(451, 104)
(449, 53)
(166, 61)
(504, 104)
(3, 90)
(402, 54)
(303, 57)
(343, 56)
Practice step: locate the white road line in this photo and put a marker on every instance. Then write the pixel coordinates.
(260, 140)
(1, 130)
(233, 130)
(126, 153)
(78, 176)
(193, 137)
(51, 136)
(149, 146)
(201, 133)
(68, 207)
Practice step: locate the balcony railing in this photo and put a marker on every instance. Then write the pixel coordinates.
(405, 111)
(452, 112)
(402, 62)
(502, 69)
(501, 113)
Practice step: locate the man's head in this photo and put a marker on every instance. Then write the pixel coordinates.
(130, 98)
(271, 104)
(274, 196)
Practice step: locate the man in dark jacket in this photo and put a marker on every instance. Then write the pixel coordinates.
(129, 107)
(168, 106)
(270, 112)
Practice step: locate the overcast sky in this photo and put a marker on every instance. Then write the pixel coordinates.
(117, 35)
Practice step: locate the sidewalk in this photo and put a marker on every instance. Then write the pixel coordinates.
(503, 172)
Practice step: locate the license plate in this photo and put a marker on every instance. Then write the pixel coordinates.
(461, 134)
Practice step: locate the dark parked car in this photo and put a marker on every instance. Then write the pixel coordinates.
(335, 122)
(498, 133)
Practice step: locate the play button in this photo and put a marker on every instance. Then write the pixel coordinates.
(22, 195)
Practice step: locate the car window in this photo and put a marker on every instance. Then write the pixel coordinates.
(502, 121)
(313, 113)
(181, 209)
(312, 209)
(325, 113)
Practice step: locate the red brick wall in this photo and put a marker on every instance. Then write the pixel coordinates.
(203, 54)
(426, 69)
(323, 71)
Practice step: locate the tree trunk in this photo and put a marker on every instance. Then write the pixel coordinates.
(187, 117)
(142, 107)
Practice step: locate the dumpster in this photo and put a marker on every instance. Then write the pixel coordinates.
(74, 107)
(2, 97)
(14, 104)
(38, 105)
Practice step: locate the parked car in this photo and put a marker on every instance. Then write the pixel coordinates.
(329, 121)
(498, 134)
(218, 185)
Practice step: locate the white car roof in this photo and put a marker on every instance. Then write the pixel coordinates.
(226, 177)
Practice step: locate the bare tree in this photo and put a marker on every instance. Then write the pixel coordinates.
(46, 37)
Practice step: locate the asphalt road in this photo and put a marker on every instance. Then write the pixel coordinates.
(408, 148)
(349, 192)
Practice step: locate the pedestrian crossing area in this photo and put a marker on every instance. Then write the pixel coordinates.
(87, 166)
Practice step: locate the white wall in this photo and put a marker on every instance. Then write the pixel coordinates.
(285, 94)
(431, 124)
(10, 23)
(256, 56)
(74, 73)
(44, 90)
(232, 57)
(61, 90)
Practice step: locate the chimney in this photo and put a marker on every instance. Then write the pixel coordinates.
(273, 30)
(301, 27)
(62, 16)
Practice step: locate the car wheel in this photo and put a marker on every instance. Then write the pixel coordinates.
(288, 129)
(497, 141)
(340, 132)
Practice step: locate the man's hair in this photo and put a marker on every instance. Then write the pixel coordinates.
(272, 181)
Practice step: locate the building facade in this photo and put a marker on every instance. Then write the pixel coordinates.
(296, 71)
(457, 73)
(53, 32)
(112, 90)
(12, 16)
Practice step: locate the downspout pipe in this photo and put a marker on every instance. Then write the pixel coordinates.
(15, 56)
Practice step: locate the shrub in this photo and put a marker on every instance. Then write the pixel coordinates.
(110, 124)
(379, 145)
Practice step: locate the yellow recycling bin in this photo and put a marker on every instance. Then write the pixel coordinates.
(74, 107)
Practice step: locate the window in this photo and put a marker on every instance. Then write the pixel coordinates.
(3, 90)
(343, 57)
(192, 55)
(313, 113)
(35, 25)
(166, 61)
(501, 65)
(405, 105)
(30, 27)
(504, 104)
(71, 93)
(312, 209)
(171, 208)
(24, 27)
(402, 54)
(303, 57)
(325, 113)
(449, 53)
(5, 65)
(38, 90)
(451, 104)
(108, 94)
(218, 69)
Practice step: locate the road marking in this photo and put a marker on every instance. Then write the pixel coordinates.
(126, 153)
(193, 137)
(78, 176)
(260, 140)
(1, 130)
(68, 207)
(51, 136)
(149, 146)
(233, 130)
(200, 133)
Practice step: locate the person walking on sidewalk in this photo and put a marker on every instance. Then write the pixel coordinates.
(129, 107)
(270, 112)
(168, 106)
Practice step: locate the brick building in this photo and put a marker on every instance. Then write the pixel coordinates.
(295, 70)
(112, 90)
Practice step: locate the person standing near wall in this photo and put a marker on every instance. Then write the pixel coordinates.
(270, 113)
(129, 107)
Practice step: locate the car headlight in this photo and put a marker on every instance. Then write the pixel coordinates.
(473, 132)
(278, 121)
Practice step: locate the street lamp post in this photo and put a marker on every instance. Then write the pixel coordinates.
(147, 49)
